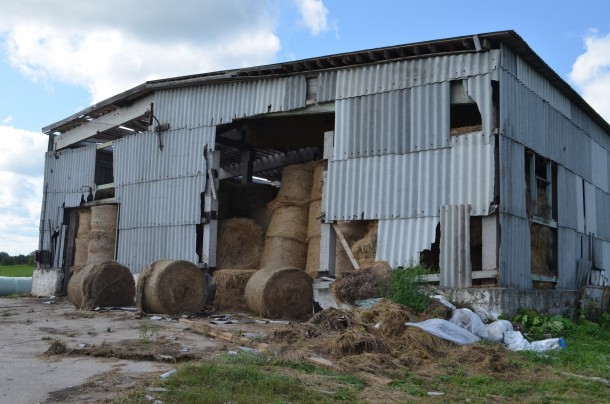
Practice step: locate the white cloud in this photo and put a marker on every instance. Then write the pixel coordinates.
(591, 73)
(8, 119)
(21, 178)
(314, 15)
(107, 51)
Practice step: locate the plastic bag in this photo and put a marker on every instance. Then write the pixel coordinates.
(468, 320)
(515, 341)
(446, 330)
(443, 300)
(497, 329)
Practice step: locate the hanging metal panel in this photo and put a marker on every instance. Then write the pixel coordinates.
(327, 86)
(413, 184)
(455, 264)
(70, 170)
(138, 158)
(220, 103)
(170, 202)
(400, 241)
(140, 247)
(479, 88)
(568, 254)
(512, 178)
(602, 206)
(383, 77)
(515, 252)
(394, 122)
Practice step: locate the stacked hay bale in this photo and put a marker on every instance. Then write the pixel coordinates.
(108, 284)
(280, 293)
(313, 224)
(286, 240)
(101, 238)
(171, 287)
(82, 233)
(230, 288)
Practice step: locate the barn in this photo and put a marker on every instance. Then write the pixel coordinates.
(468, 154)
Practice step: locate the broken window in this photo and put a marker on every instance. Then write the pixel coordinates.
(541, 208)
(465, 116)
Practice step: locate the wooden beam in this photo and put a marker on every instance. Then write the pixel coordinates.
(348, 250)
(486, 274)
(103, 123)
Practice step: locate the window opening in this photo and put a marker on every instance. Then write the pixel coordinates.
(465, 116)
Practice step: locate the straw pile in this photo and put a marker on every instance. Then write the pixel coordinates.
(542, 249)
(240, 242)
(364, 250)
(280, 293)
(286, 241)
(101, 238)
(80, 242)
(230, 288)
(352, 232)
(363, 284)
(313, 224)
(171, 287)
(102, 284)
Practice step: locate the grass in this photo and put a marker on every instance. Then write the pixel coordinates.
(16, 270)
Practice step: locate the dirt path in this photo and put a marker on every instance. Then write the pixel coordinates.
(90, 370)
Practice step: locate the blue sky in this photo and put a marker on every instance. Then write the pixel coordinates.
(59, 56)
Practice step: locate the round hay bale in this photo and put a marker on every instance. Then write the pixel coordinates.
(84, 222)
(318, 180)
(100, 247)
(105, 284)
(103, 218)
(171, 287)
(280, 293)
(289, 222)
(279, 252)
(313, 257)
(313, 223)
(80, 251)
(230, 288)
(296, 182)
(240, 243)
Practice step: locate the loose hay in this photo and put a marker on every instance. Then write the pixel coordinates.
(363, 284)
(240, 242)
(387, 318)
(352, 231)
(358, 340)
(230, 288)
(171, 287)
(280, 293)
(333, 320)
(102, 284)
(364, 250)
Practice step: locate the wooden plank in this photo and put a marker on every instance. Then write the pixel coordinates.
(486, 274)
(348, 250)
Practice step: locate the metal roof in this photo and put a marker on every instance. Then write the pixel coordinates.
(462, 44)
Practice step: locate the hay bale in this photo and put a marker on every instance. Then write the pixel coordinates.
(363, 284)
(542, 241)
(280, 293)
(104, 218)
(279, 252)
(352, 232)
(101, 284)
(312, 266)
(80, 251)
(239, 244)
(171, 287)
(364, 250)
(230, 288)
(289, 221)
(100, 246)
(84, 222)
(296, 182)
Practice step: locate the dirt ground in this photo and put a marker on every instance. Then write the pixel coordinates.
(99, 355)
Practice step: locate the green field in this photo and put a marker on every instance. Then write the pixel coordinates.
(16, 270)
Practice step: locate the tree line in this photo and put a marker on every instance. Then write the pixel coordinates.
(6, 259)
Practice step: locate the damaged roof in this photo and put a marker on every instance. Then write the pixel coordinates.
(456, 45)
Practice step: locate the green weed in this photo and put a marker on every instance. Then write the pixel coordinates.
(408, 288)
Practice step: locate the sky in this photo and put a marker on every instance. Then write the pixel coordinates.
(58, 57)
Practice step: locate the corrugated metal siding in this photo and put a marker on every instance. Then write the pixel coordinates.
(455, 264)
(66, 173)
(602, 207)
(568, 199)
(413, 184)
(394, 122)
(568, 253)
(378, 78)
(137, 158)
(327, 86)
(512, 178)
(599, 167)
(590, 209)
(515, 252)
(216, 104)
(400, 241)
(479, 88)
(142, 246)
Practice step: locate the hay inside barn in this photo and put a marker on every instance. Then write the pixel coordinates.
(239, 244)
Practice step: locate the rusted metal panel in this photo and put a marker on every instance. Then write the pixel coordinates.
(220, 103)
(139, 247)
(413, 184)
(394, 122)
(515, 252)
(512, 178)
(400, 241)
(455, 264)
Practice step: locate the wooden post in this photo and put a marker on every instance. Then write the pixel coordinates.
(210, 216)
